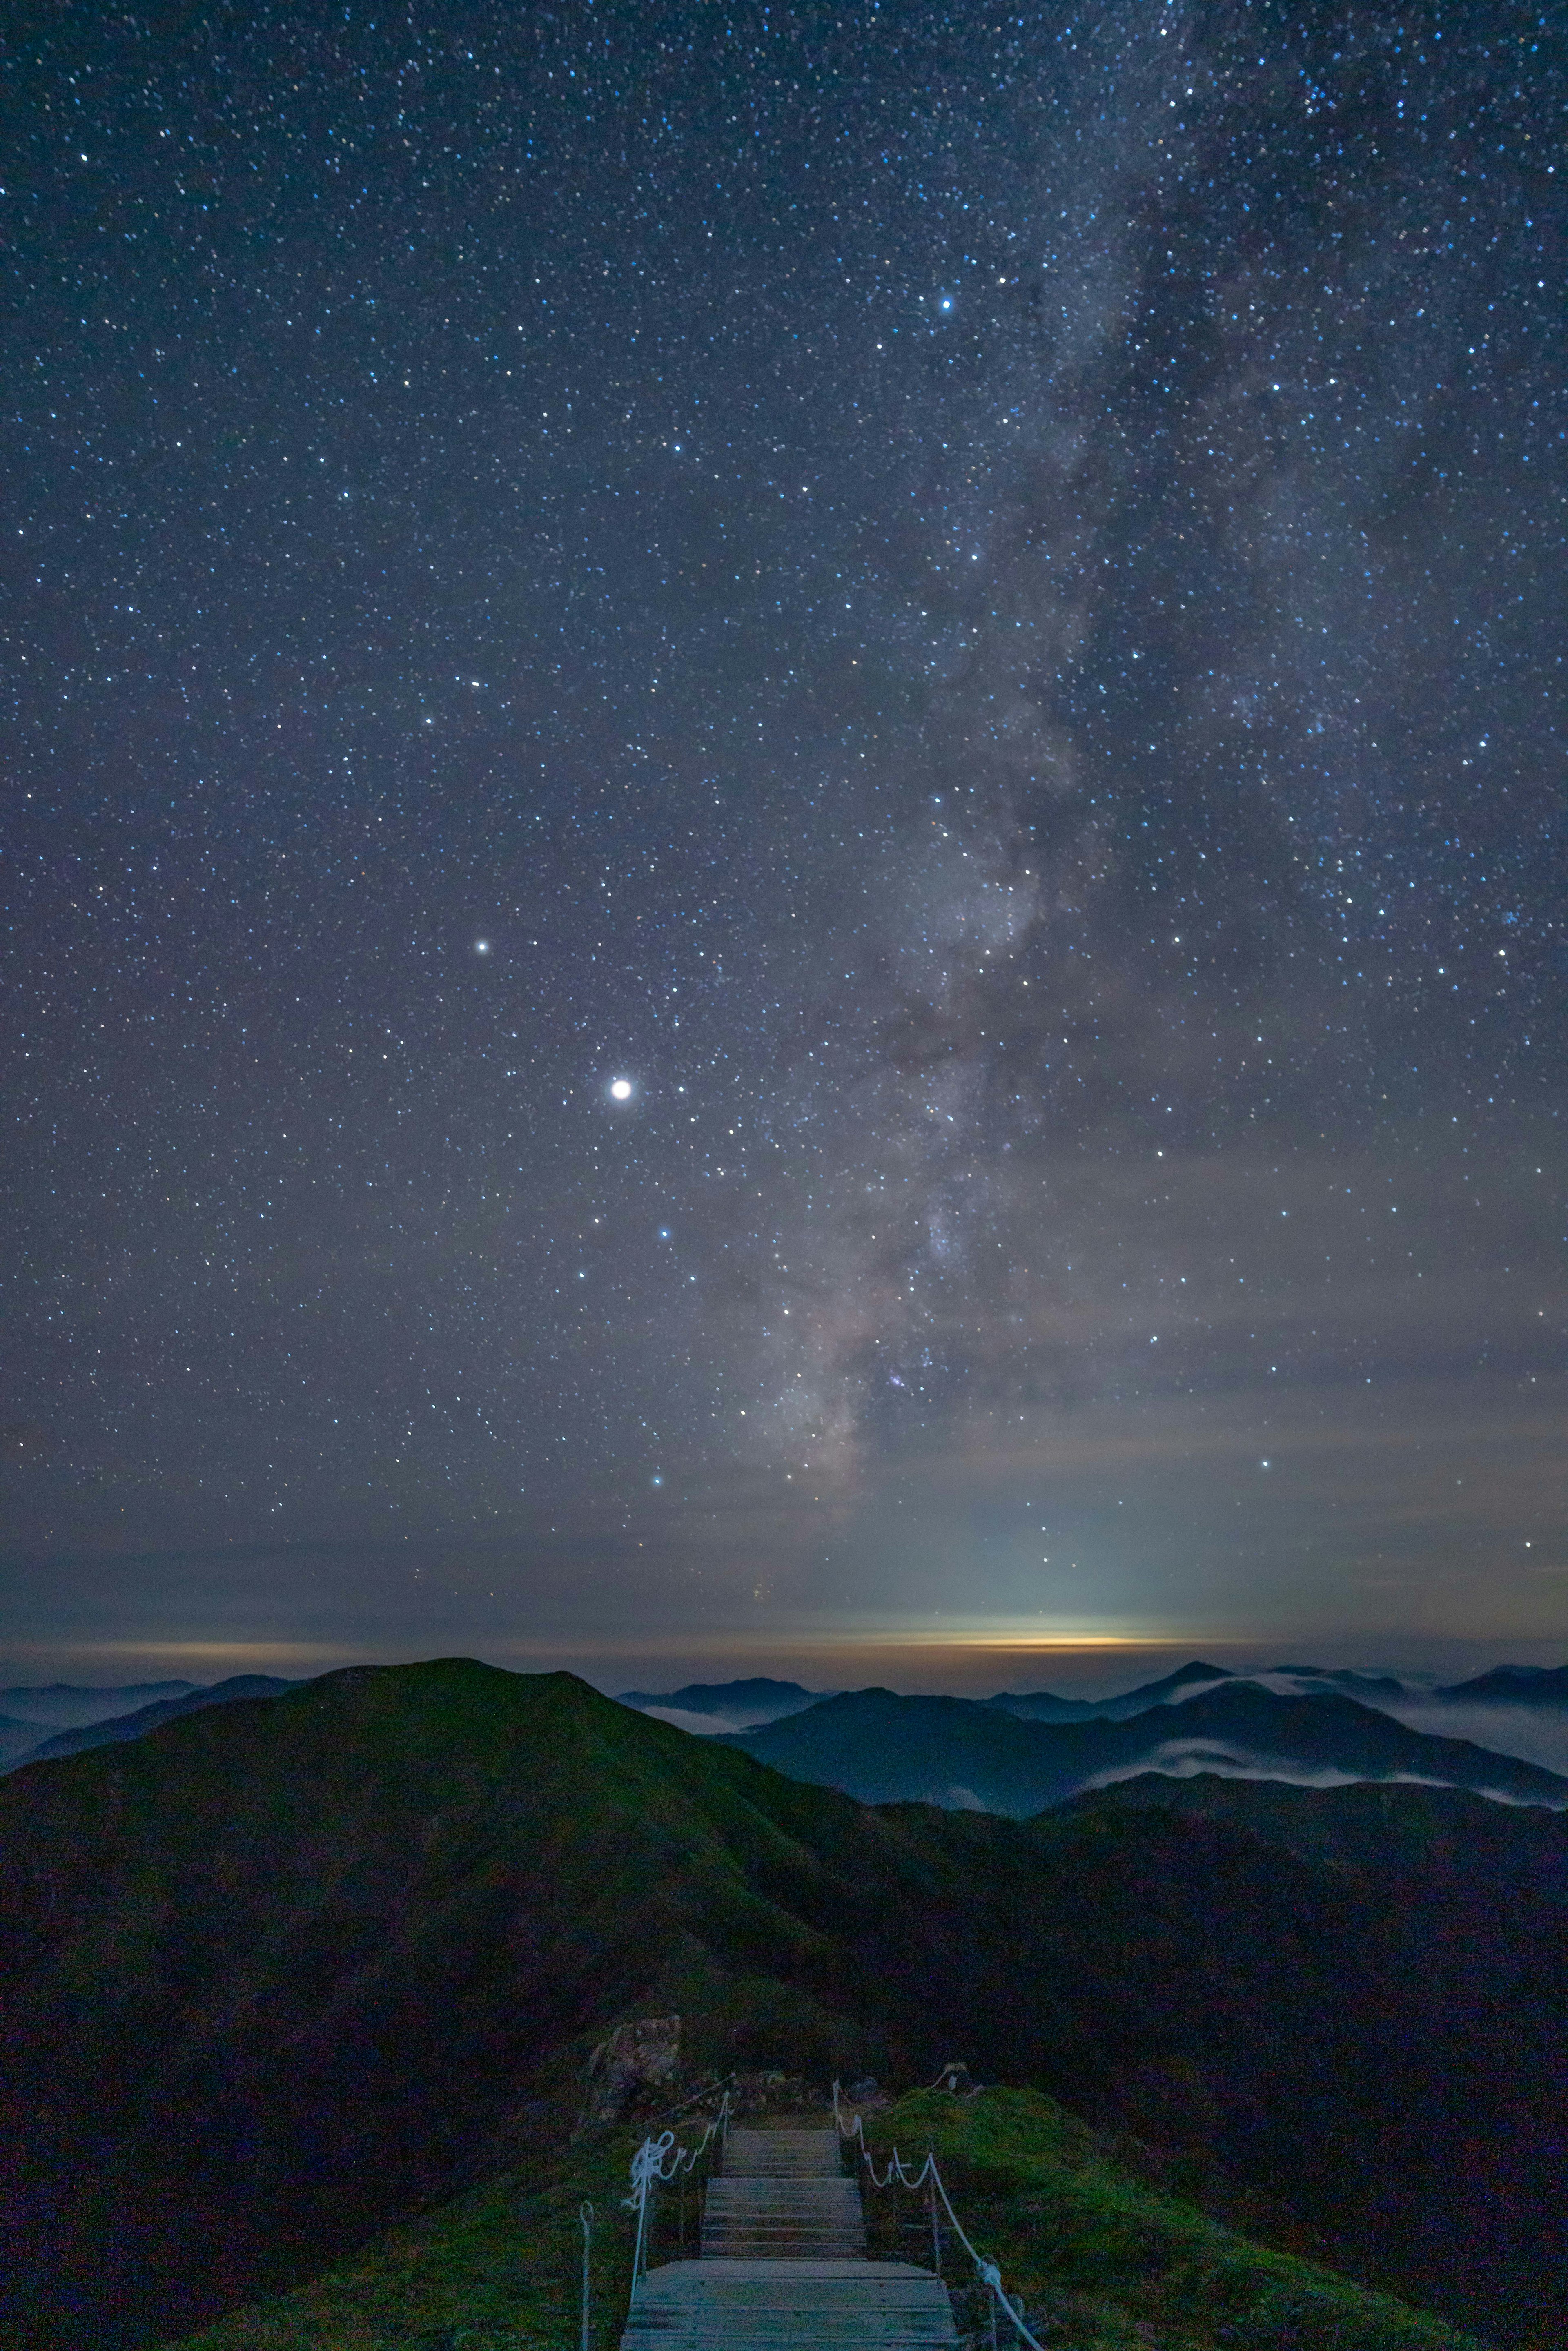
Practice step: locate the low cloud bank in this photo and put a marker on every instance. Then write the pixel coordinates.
(1535, 1734)
(707, 1725)
(1184, 1759)
(1200, 1689)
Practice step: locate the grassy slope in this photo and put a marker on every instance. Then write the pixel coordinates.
(1105, 2263)
(319, 1947)
(1368, 1825)
(497, 2270)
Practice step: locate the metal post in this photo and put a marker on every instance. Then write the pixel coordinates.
(641, 2226)
(585, 2215)
(935, 2231)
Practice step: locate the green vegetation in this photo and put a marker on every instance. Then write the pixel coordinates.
(497, 2270)
(318, 1956)
(1105, 2263)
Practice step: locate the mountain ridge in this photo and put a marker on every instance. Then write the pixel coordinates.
(119, 1729)
(759, 1697)
(1511, 1686)
(17, 1737)
(963, 1754)
(63, 1705)
(1045, 1706)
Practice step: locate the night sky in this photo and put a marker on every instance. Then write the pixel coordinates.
(783, 845)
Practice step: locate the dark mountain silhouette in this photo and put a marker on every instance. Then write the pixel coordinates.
(750, 1703)
(17, 1738)
(280, 1970)
(962, 1754)
(757, 1700)
(63, 1705)
(1043, 1706)
(1513, 1685)
(1371, 1687)
(1391, 1830)
(122, 1726)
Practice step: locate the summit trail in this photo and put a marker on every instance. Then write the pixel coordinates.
(784, 2264)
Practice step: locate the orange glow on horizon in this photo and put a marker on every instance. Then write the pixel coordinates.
(909, 1657)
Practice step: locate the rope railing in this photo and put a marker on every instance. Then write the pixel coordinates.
(695, 2098)
(585, 2219)
(663, 2160)
(986, 2273)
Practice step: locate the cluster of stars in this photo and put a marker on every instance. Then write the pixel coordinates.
(761, 780)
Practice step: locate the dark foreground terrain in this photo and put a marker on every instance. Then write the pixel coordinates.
(1103, 2259)
(284, 1972)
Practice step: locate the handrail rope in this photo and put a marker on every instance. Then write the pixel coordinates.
(989, 2275)
(673, 2114)
(649, 2168)
(585, 2214)
(943, 2077)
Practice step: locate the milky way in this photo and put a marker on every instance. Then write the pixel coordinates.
(784, 830)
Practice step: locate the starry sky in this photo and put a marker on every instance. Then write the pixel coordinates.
(782, 874)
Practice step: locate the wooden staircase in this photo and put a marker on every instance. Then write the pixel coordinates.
(784, 2266)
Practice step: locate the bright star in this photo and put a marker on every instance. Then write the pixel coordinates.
(620, 1089)
(481, 946)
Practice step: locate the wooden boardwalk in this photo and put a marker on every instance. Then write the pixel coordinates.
(784, 2266)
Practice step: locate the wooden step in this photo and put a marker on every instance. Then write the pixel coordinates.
(771, 2153)
(784, 2264)
(790, 2305)
(800, 2216)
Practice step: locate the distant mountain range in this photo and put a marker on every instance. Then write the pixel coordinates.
(286, 1970)
(16, 1739)
(64, 1706)
(1502, 1733)
(745, 1705)
(30, 1715)
(723, 1706)
(1513, 1685)
(968, 1754)
(1537, 1686)
(1517, 1713)
(1044, 1706)
(136, 1725)
(1391, 1831)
